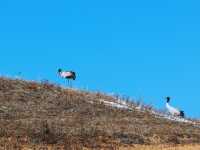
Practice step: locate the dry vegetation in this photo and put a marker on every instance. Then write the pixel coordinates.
(135, 147)
(39, 114)
(163, 147)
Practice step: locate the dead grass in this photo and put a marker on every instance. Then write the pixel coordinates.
(133, 147)
(163, 147)
(44, 113)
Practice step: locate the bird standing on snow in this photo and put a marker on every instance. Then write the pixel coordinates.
(69, 75)
(174, 111)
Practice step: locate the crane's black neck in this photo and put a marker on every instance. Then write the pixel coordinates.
(168, 99)
(59, 70)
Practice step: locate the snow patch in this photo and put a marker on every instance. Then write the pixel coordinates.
(115, 104)
(123, 105)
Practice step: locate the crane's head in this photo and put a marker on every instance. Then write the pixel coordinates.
(59, 70)
(168, 99)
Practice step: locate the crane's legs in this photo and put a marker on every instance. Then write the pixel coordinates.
(69, 83)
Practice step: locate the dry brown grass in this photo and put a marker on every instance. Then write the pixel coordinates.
(33, 113)
(163, 147)
(133, 147)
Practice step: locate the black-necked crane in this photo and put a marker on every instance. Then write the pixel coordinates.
(174, 111)
(69, 75)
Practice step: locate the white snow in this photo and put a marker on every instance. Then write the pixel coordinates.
(115, 104)
(123, 105)
(173, 118)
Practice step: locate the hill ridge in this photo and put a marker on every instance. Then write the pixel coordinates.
(47, 113)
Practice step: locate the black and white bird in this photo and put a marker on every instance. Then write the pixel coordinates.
(69, 75)
(174, 111)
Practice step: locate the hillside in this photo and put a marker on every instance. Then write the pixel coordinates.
(44, 113)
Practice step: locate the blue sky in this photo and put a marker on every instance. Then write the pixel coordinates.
(143, 49)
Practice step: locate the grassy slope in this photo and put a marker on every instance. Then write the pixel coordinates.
(32, 113)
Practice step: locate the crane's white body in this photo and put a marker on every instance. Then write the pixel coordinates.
(65, 74)
(172, 110)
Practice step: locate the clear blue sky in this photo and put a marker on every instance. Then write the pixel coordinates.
(143, 49)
